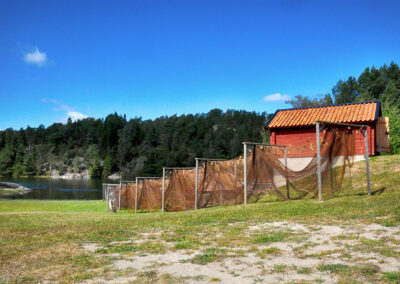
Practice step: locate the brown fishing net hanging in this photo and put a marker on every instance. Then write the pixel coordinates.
(266, 169)
(150, 197)
(180, 194)
(148, 194)
(222, 182)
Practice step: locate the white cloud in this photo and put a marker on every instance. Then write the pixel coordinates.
(36, 57)
(74, 115)
(70, 112)
(277, 97)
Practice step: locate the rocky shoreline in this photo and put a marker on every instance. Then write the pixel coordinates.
(82, 175)
(10, 189)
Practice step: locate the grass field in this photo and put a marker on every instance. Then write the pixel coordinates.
(348, 238)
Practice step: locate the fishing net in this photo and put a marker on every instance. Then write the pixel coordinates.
(180, 193)
(150, 197)
(149, 194)
(222, 182)
(267, 171)
(122, 194)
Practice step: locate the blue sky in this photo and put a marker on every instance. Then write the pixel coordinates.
(154, 58)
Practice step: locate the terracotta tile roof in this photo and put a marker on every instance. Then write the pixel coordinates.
(346, 113)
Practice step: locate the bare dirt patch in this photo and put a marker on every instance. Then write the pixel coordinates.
(292, 252)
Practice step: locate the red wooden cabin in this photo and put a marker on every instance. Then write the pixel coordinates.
(296, 127)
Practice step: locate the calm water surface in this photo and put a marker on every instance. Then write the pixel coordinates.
(46, 188)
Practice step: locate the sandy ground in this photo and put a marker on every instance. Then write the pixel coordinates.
(297, 261)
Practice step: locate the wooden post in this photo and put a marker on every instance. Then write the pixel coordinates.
(106, 197)
(119, 196)
(136, 190)
(245, 173)
(365, 130)
(163, 190)
(196, 184)
(286, 173)
(317, 128)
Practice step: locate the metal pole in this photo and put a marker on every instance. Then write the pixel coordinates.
(286, 173)
(196, 184)
(317, 128)
(163, 190)
(367, 160)
(245, 172)
(136, 190)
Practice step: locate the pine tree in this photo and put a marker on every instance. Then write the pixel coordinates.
(107, 166)
(95, 169)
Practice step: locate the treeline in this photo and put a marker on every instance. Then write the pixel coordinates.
(381, 84)
(142, 147)
(132, 147)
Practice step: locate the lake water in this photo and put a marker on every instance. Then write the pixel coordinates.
(46, 188)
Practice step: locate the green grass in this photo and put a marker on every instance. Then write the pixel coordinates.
(381, 246)
(208, 255)
(271, 237)
(41, 240)
(268, 251)
(279, 268)
(21, 205)
(334, 268)
(393, 276)
(359, 273)
(304, 270)
(147, 247)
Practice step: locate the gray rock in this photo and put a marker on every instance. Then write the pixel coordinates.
(10, 189)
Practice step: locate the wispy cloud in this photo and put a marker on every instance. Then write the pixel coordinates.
(277, 97)
(70, 112)
(36, 58)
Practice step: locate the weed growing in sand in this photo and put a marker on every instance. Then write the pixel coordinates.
(208, 255)
(379, 246)
(279, 268)
(367, 269)
(334, 268)
(278, 236)
(268, 251)
(304, 270)
(393, 276)
(146, 247)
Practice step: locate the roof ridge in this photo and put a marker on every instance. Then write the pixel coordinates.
(306, 116)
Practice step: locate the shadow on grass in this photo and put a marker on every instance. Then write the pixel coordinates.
(375, 192)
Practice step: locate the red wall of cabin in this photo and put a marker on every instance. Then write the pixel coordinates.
(301, 142)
